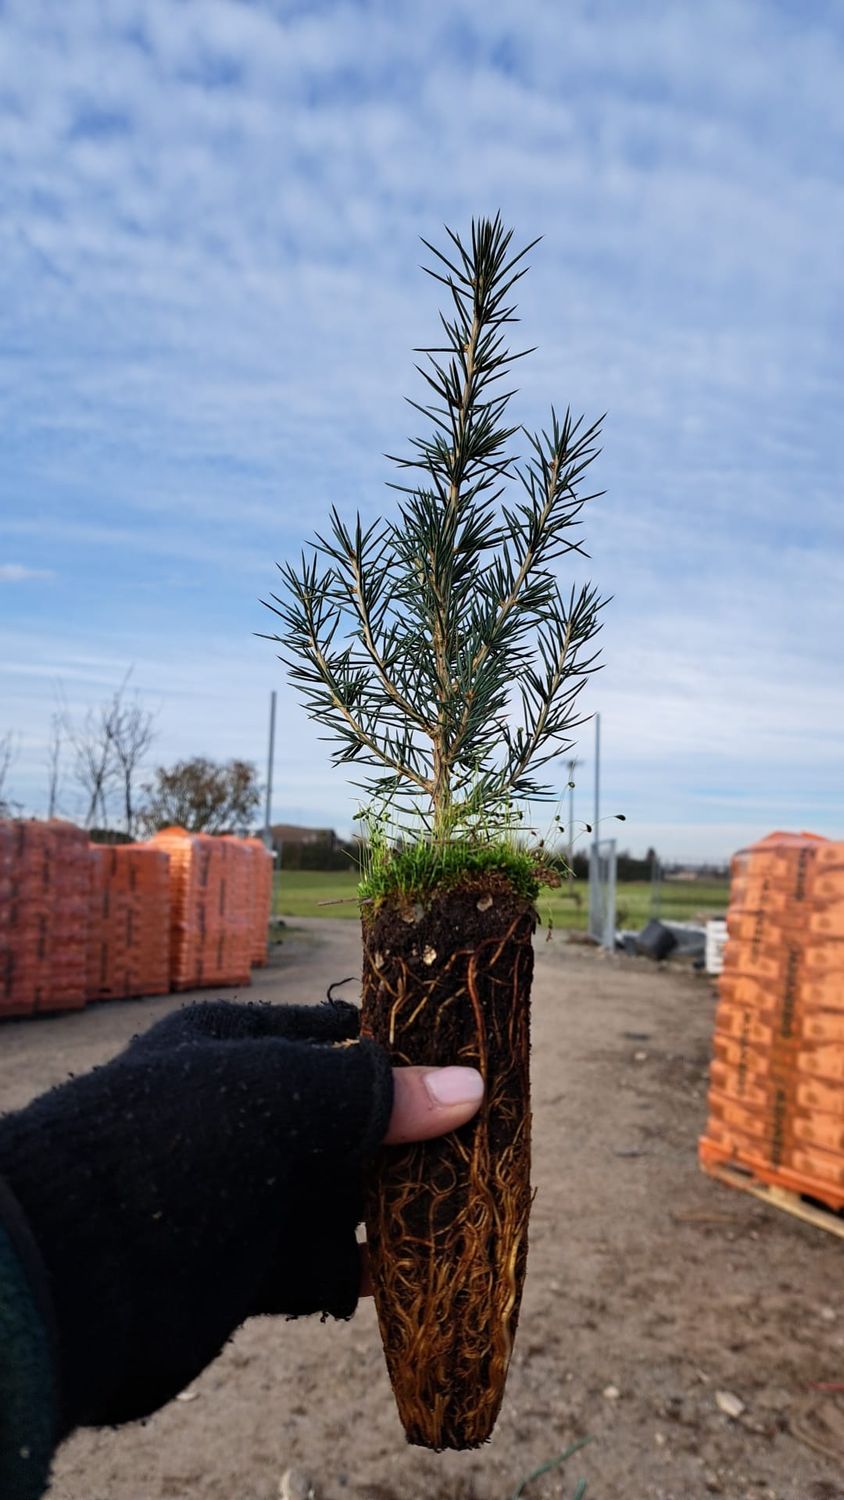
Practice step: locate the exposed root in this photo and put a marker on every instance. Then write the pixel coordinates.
(447, 1219)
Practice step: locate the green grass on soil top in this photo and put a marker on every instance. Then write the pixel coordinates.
(421, 868)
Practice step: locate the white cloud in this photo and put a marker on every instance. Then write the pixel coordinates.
(19, 573)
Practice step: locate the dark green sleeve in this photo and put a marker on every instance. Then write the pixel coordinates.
(27, 1367)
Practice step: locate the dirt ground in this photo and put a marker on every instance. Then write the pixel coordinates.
(650, 1288)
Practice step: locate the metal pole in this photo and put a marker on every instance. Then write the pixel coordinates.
(268, 838)
(572, 766)
(595, 834)
(612, 883)
(655, 885)
(602, 881)
(596, 904)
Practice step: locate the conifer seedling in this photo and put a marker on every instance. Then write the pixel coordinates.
(439, 650)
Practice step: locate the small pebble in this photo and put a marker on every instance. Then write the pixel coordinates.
(612, 1392)
(732, 1406)
(429, 955)
(828, 1314)
(294, 1485)
(640, 1056)
(187, 1395)
(660, 1439)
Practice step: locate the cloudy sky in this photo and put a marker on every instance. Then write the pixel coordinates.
(210, 294)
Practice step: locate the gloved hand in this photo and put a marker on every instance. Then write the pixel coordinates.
(207, 1173)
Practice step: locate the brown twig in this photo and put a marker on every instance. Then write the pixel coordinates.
(346, 900)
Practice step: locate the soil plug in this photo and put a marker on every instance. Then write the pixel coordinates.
(438, 648)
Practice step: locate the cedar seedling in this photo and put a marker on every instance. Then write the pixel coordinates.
(439, 649)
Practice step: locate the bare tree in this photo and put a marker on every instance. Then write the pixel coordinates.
(7, 755)
(203, 796)
(54, 757)
(132, 734)
(109, 748)
(95, 765)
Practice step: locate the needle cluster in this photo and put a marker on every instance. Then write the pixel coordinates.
(439, 647)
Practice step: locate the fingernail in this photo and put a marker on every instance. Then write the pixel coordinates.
(454, 1086)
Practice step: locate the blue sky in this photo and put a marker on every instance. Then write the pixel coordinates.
(210, 293)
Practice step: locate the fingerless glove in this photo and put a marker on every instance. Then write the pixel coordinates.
(208, 1173)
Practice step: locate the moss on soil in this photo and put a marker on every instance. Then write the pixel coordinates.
(422, 868)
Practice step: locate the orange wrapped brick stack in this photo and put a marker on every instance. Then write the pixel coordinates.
(129, 932)
(89, 922)
(776, 1101)
(45, 874)
(211, 924)
(261, 898)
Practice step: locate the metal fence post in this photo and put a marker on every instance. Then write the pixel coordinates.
(603, 867)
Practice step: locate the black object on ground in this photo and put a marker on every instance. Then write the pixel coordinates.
(656, 941)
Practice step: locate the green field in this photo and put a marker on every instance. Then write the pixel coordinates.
(298, 893)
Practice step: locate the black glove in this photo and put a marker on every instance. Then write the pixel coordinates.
(207, 1173)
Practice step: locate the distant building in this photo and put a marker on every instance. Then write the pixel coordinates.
(294, 833)
(298, 848)
(696, 872)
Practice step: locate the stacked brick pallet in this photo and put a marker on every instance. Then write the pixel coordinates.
(261, 898)
(45, 877)
(211, 925)
(83, 922)
(776, 1102)
(129, 930)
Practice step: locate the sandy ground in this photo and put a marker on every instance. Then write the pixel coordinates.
(650, 1288)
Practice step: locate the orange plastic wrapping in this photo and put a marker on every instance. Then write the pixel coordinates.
(211, 923)
(776, 1100)
(45, 874)
(129, 935)
(261, 898)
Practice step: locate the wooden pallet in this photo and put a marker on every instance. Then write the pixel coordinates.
(778, 1197)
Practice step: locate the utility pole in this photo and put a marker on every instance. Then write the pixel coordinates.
(268, 837)
(596, 906)
(595, 834)
(601, 890)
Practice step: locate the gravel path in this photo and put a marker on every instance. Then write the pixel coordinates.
(650, 1289)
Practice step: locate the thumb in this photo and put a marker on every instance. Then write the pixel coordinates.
(431, 1101)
